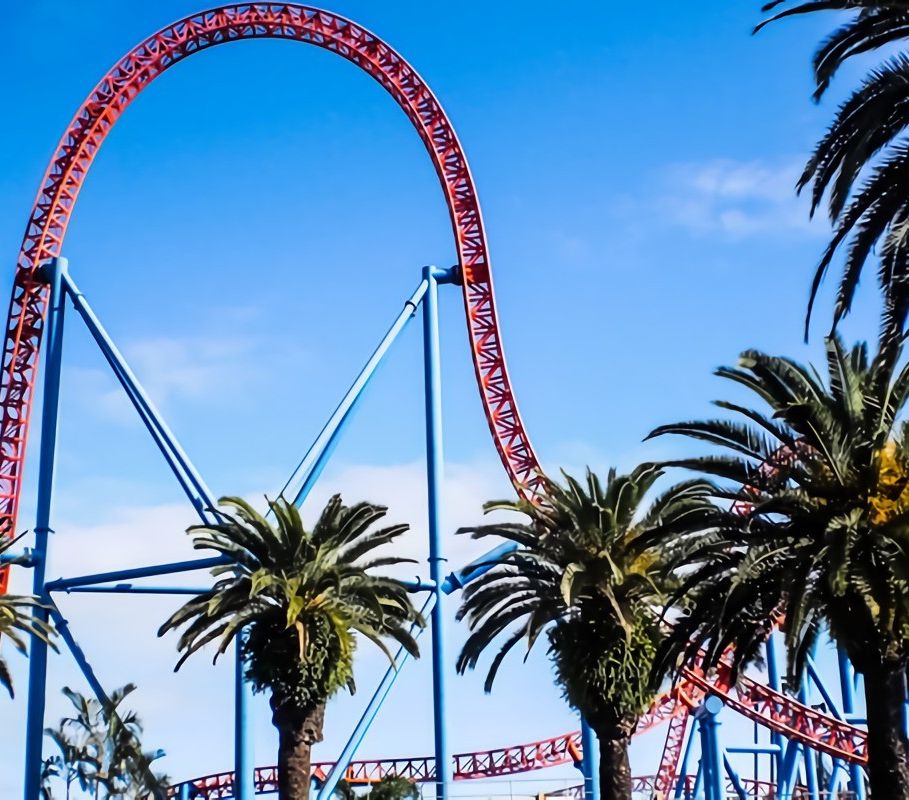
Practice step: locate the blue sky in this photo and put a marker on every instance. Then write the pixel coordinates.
(257, 217)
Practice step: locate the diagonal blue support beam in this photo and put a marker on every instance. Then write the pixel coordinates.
(734, 779)
(369, 714)
(193, 485)
(461, 577)
(310, 468)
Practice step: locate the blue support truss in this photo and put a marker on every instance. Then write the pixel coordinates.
(790, 760)
(63, 287)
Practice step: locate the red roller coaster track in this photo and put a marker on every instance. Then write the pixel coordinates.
(774, 711)
(83, 138)
(44, 239)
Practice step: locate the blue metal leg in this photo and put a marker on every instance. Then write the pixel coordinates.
(433, 390)
(711, 759)
(37, 665)
(369, 714)
(590, 766)
(244, 760)
(808, 755)
(789, 770)
(847, 688)
(310, 468)
(773, 675)
(682, 779)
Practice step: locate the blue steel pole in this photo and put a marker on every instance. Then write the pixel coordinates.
(369, 714)
(711, 760)
(682, 778)
(244, 766)
(808, 755)
(773, 675)
(433, 392)
(53, 273)
(309, 469)
(847, 688)
(589, 750)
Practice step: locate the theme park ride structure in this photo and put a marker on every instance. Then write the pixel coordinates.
(802, 735)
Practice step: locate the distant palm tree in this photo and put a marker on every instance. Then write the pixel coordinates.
(18, 620)
(303, 596)
(100, 748)
(817, 535)
(866, 139)
(583, 576)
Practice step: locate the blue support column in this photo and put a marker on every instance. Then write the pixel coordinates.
(808, 755)
(244, 762)
(847, 688)
(434, 461)
(682, 778)
(711, 758)
(589, 767)
(37, 665)
(773, 675)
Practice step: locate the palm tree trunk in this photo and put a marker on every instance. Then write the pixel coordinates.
(888, 749)
(615, 769)
(297, 732)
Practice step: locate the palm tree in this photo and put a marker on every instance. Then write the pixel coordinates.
(582, 575)
(818, 534)
(100, 748)
(302, 596)
(865, 139)
(18, 620)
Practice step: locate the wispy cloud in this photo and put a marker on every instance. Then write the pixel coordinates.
(175, 368)
(736, 199)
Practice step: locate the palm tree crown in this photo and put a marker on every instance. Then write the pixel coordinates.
(302, 596)
(581, 574)
(818, 534)
(865, 138)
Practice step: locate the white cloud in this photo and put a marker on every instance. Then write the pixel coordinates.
(175, 368)
(736, 199)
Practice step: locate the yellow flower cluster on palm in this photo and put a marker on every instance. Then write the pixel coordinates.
(891, 495)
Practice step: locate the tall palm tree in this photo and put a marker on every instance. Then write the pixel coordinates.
(18, 620)
(303, 596)
(818, 533)
(581, 574)
(862, 163)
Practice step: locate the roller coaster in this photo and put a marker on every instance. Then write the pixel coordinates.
(813, 738)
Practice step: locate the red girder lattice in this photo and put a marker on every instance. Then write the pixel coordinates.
(97, 115)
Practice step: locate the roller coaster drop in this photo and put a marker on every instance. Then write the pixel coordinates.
(814, 747)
